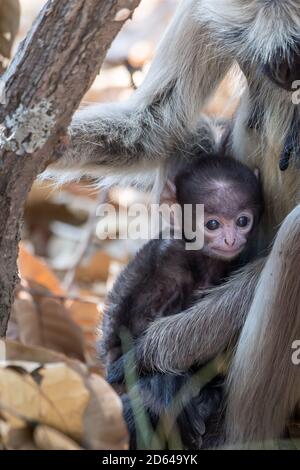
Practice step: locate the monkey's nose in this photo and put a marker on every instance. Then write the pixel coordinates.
(230, 242)
(284, 71)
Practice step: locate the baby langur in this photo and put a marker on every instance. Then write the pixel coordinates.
(164, 279)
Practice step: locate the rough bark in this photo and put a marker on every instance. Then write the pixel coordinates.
(53, 68)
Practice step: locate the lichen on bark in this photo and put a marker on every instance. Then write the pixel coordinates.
(27, 130)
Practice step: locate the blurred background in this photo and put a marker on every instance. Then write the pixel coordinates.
(61, 257)
(66, 268)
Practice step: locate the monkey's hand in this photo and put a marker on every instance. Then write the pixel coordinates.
(200, 419)
(124, 368)
(115, 372)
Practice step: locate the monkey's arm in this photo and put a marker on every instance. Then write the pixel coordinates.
(187, 69)
(174, 344)
(154, 284)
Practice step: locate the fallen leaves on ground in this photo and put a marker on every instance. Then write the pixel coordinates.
(41, 321)
(33, 268)
(52, 395)
(55, 405)
(45, 314)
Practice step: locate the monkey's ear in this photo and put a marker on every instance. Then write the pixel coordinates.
(168, 194)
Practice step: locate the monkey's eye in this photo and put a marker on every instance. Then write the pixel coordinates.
(243, 221)
(212, 225)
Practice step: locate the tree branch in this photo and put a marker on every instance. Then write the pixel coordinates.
(39, 93)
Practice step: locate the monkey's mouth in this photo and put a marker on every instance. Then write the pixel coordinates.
(227, 253)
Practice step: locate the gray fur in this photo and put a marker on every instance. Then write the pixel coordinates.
(165, 347)
(205, 38)
(259, 410)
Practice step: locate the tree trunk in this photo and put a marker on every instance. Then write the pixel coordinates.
(39, 93)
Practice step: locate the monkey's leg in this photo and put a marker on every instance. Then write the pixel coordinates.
(264, 385)
(187, 69)
(176, 343)
(177, 415)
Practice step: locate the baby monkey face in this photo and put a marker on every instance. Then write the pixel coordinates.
(225, 238)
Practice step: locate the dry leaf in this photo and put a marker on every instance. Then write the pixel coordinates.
(16, 438)
(47, 438)
(23, 366)
(25, 356)
(42, 321)
(13, 351)
(67, 398)
(54, 399)
(86, 315)
(20, 393)
(9, 25)
(34, 269)
(95, 268)
(103, 428)
(58, 401)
